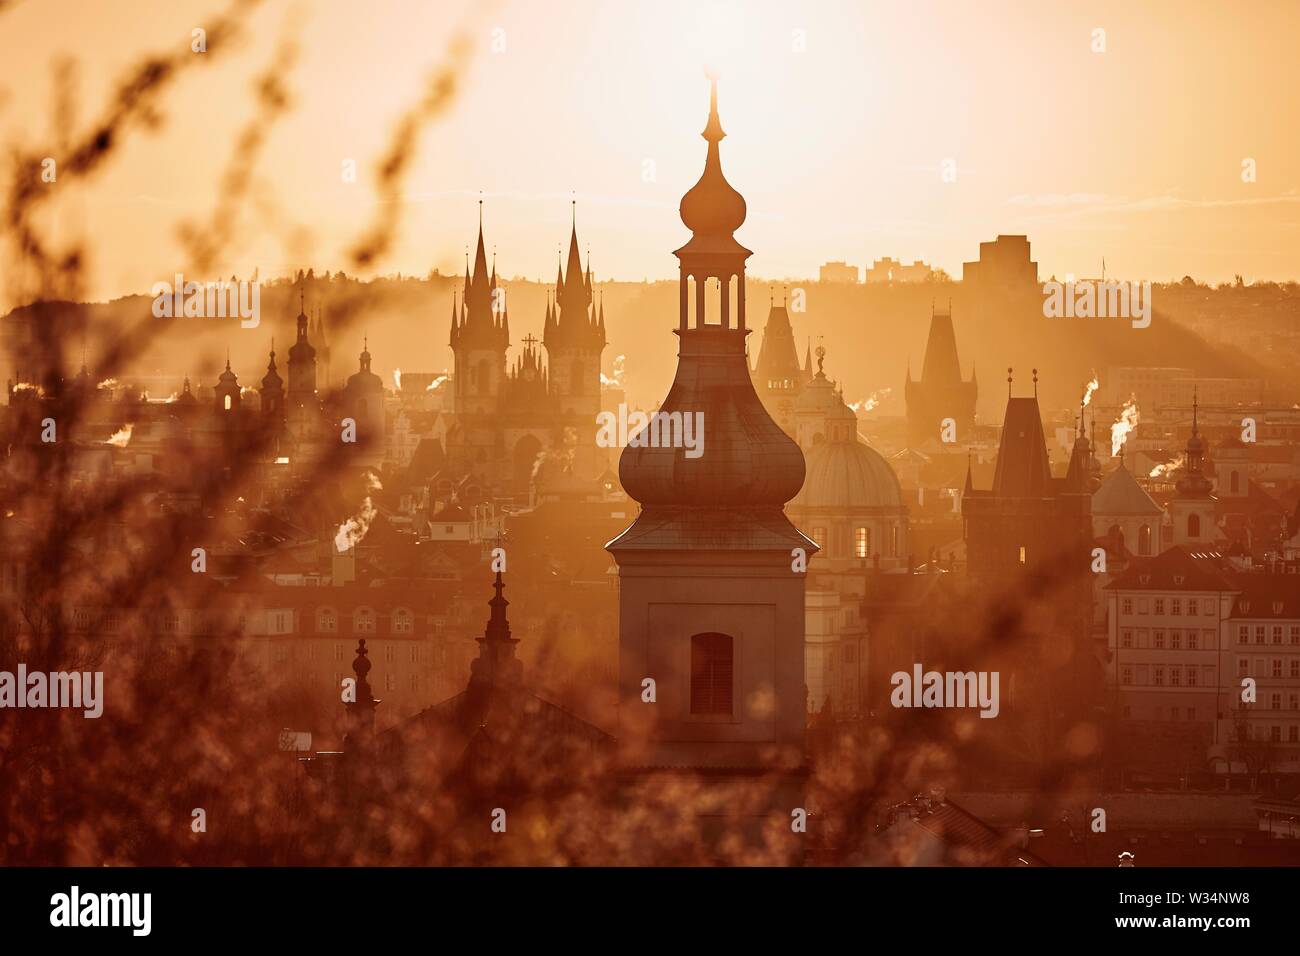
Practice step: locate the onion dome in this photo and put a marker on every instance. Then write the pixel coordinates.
(228, 377)
(712, 206)
(302, 349)
(1192, 483)
(364, 379)
(713, 449)
(712, 209)
(271, 380)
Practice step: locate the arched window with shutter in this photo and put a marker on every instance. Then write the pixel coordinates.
(712, 659)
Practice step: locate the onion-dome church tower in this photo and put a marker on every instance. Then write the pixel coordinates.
(1192, 509)
(711, 595)
(363, 400)
(227, 392)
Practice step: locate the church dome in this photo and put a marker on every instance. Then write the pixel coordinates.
(746, 461)
(365, 380)
(848, 475)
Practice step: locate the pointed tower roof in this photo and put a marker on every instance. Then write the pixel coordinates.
(941, 366)
(778, 361)
(1023, 469)
(496, 662)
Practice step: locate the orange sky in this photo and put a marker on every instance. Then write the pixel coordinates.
(1133, 154)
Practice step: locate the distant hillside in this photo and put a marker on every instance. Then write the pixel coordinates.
(870, 332)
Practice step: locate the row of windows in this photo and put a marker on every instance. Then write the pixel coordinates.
(1143, 675)
(1175, 605)
(1274, 632)
(862, 543)
(1172, 639)
(1275, 670)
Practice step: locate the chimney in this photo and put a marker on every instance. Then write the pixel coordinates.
(343, 567)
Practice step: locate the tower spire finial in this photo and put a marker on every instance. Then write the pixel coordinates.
(1009, 373)
(1035, 383)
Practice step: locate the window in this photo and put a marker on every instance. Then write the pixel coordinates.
(1191, 640)
(363, 621)
(1126, 606)
(1126, 640)
(1022, 554)
(819, 537)
(1144, 540)
(327, 622)
(340, 651)
(1243, 635)
(1158, 640)
(1175, 640)
(1193, 526)
(1191, 677)
(1277, 667)
(1293, 734)
(1243, 667)
(1175, 676)
(1176, 606)
(1275, 702)
(390, 682)
(227, 403)
(1295, 668)
(1277, 633)
(1126, 676)
(1259, 634)
(893, 541)
(1295, 634)
(711, 666)
(402, 621)
(1158, 676)
(415, 653)
(1191, 605)
(862, 542)
(1160, 606)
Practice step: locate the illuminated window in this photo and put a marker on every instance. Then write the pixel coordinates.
(1144, 539)
(862, 542)
(1022, 554)
(819, 537)
(711, 669)
(227, 403)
